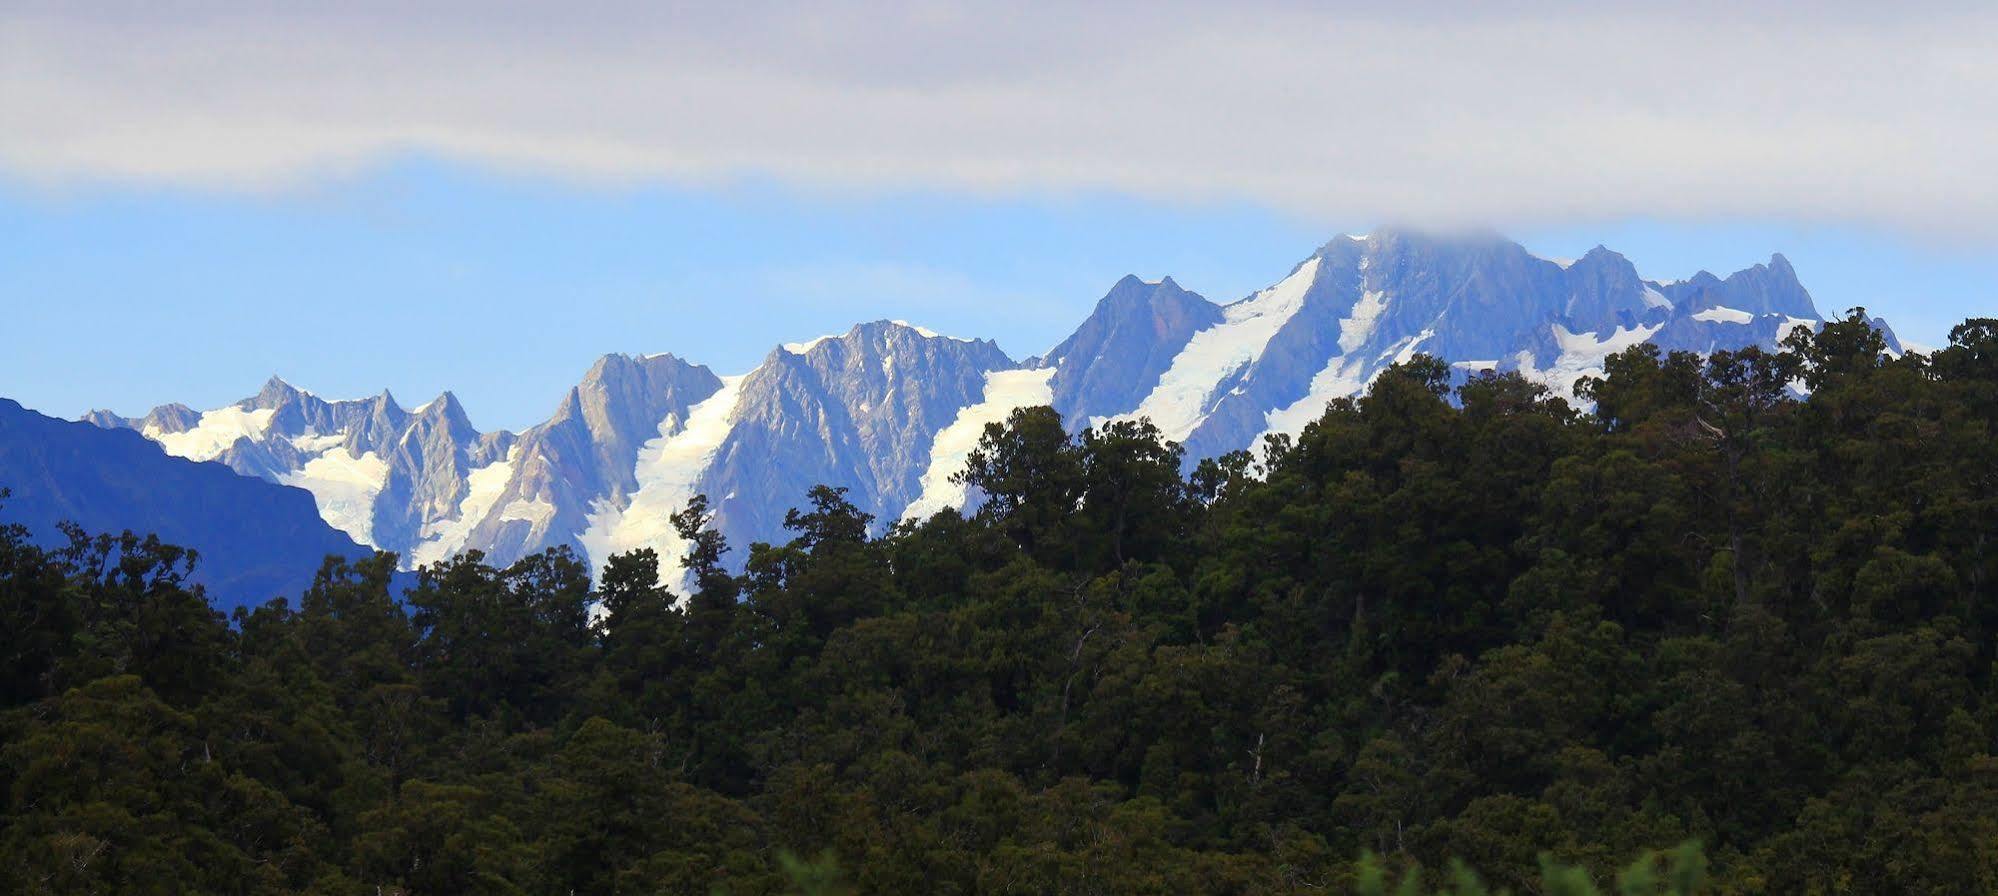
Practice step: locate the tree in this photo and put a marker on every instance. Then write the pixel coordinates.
(1031, 478)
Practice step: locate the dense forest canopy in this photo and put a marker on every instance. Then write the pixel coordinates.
(1471, 624)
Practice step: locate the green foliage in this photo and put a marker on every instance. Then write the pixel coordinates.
(1450, 629)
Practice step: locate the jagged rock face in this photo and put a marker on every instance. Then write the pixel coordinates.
(859, 411)
(1604, 292)
(1764, 289)
(1355, 306)
(583, 459)
(889, 410)
(1116, 357)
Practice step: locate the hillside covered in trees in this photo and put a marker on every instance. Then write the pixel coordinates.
(1440, 624)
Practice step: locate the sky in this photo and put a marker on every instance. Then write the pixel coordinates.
(486, 197)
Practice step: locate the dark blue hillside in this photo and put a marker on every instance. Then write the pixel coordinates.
(256, 540)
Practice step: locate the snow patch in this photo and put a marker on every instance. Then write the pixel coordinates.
(1655, 299)
(314, 443)
(799, 348)
(1720, 315)
(1182, 398)
(1348, 374)
(1476, 366)
(928, 333)
(217, 430)
(1356, 328)
(534, 511)
(1005, 390)
(1404, 351)
(1344, 376)
(344, 486)
(1582, 354)
(1589, 345)
(668, 471)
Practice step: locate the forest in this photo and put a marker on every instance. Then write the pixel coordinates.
(1733, 629)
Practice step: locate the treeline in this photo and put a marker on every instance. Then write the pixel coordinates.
(1468, 624)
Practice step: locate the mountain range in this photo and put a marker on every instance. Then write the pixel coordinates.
(256, 541)
(890, 410)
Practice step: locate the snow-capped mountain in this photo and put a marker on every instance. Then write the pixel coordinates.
(1270, 362)
(554, 477)
(861, 410)
(386, 476)
(889, 410)
(256, 540)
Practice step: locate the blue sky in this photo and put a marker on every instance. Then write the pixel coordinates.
(485, 196)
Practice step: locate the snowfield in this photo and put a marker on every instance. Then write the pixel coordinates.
(344, 487)
(217, 430)
(669, 469)
(1184, 394)
(1005, 390)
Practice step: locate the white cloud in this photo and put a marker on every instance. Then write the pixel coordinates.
(1433, 112)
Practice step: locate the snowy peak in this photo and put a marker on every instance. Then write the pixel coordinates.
(584, 462)
(880, 337)
(1368, 303)
(372, 467)
(1270, 362)
(860, 410)
(873, 331)
(256, 540)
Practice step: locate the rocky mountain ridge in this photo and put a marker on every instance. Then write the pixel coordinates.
(889, 409)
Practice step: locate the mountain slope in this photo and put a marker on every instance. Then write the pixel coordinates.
(584, 459)
(860, 410)
(1126, 344)
(257, 540)
(1359, 304)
